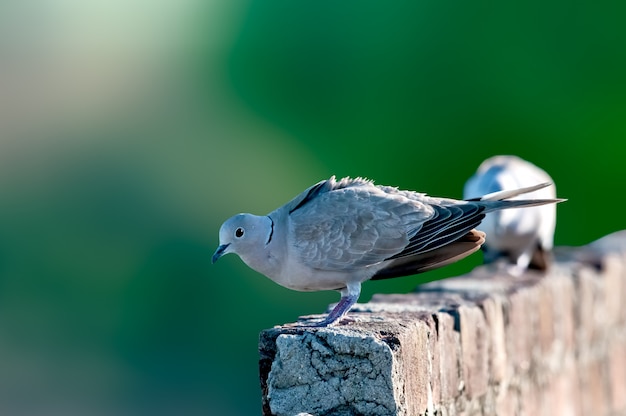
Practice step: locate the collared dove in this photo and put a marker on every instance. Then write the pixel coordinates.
(337, 234)
(522, 238)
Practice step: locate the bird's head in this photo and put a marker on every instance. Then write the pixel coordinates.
(245, 235)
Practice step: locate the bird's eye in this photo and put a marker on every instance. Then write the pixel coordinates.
(239, 232)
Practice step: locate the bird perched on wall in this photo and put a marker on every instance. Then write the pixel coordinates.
(522, 238)
(337, 234)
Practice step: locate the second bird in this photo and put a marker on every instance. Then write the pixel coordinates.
(521, 238)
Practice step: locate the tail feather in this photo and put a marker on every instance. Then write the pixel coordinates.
(518, 203)
(510, 193)
(500, 200)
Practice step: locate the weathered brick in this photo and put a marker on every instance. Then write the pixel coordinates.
(563, 391)
(590, 306)
(449, 357)
(507, 401)
(371, 368)
(612, 290)
(546, 318)
(413, 367)
(617, 375)
(434, 354)
(474, 350)
(563, 311)
(520, 329)
(593, 384)
(494, 316)
(530, 400)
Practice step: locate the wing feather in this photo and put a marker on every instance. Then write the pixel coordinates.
(354, 227)
(423, 262)
(451, 223)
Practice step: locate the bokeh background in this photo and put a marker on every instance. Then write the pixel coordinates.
(130, 130)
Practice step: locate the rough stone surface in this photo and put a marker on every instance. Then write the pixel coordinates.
(449, 350)
(480, 344)
(475, 339)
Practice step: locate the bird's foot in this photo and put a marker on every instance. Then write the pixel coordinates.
(334, 316)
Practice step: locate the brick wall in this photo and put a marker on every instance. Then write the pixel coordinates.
(480, 344)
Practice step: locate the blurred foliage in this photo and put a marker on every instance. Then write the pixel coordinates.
(130, 130)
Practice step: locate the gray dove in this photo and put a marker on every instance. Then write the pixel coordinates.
(521, 238)
(337, 234)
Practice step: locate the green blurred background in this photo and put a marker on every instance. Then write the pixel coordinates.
(130, 130)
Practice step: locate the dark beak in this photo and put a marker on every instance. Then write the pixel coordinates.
(219, 252)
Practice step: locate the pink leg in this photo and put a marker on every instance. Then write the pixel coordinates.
(338, 311)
